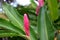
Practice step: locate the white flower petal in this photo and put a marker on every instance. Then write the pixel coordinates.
(23, 2)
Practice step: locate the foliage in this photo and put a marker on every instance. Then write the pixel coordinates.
(42, 27)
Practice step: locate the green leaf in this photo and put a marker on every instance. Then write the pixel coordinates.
(27, 9)
(13, 15)
(45, 27)
(33, 35)
(33, 4)
(10, 26)
(7, 33)
(53, 7)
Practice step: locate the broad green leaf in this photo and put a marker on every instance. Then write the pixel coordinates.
(33, 35)
(53, 8)
(45, 27)
(13, 15)
(10, 26)
(7, 33)
(50, 28)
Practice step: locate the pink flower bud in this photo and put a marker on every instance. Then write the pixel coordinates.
(37, 10)
(26, 25)
(40, 4)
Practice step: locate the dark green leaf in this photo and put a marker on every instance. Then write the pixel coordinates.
(7, 33)
(45, 28)
(10, 26)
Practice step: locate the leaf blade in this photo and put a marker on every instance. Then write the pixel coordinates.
(53, 7)
(7, 33)
(8, 25)
(33, 35)
(13, 15)
(44, 26)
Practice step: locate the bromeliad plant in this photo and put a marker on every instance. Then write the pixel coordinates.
(44, 26)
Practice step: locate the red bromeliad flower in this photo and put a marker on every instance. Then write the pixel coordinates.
(26, 25)
(40, 4)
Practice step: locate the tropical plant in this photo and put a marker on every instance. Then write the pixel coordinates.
(33, 22)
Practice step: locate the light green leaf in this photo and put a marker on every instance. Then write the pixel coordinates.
(53, 8)
(33, 4)
(33, 35)
(13, 15)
